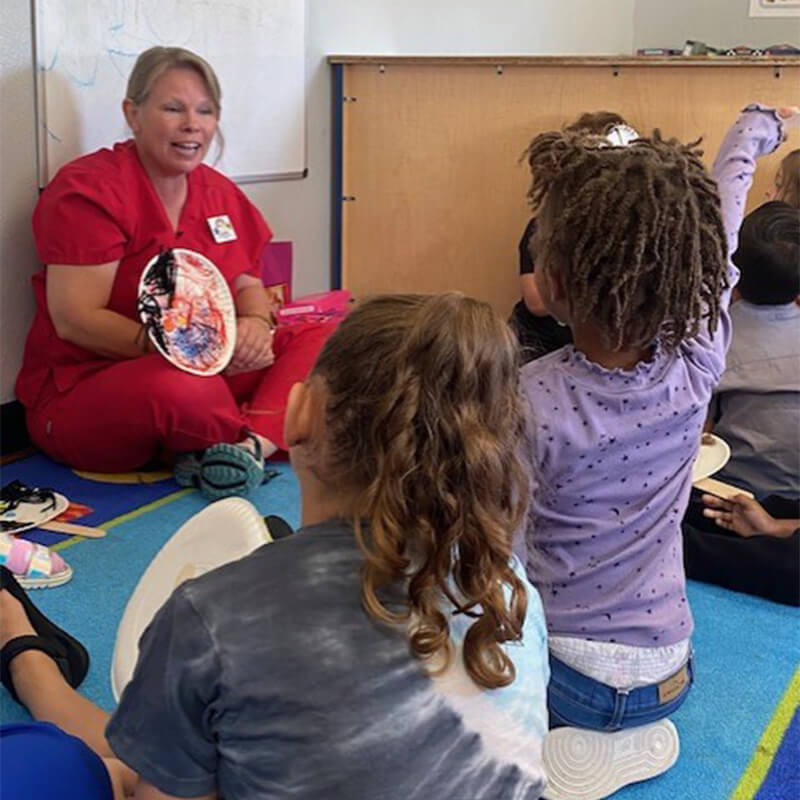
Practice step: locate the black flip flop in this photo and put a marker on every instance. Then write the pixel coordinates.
(67, 652)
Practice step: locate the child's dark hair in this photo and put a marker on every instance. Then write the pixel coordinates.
(598, 122)
(768, 255)
(635, 234)
(424, 425)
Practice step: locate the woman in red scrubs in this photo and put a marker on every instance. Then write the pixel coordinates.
(97, 397)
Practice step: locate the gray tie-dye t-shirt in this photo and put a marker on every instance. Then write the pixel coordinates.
(266, 679)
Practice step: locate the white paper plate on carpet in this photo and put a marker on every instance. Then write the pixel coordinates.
(222, 532)
(30, 515)
(711, 458)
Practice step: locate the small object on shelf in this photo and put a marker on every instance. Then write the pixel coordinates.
(659, 51)
(742, 50)
(782, 50)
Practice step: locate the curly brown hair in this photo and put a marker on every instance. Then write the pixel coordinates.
(787, 179)
(635, 233)
(424, 423)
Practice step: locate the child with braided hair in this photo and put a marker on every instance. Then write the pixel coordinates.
(632, 252)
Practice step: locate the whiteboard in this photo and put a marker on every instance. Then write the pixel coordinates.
(85, 50)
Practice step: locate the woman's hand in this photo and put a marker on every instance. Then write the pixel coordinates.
(253, 345)
(746, 516)
(253, 330)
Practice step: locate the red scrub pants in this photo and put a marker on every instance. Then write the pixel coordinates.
(130, 412)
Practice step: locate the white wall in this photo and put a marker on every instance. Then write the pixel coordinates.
(17, 188)
(719, 23)
(300, 210)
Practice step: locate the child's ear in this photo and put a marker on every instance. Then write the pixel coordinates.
(300, 410)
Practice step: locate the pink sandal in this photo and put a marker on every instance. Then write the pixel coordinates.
(33, 565)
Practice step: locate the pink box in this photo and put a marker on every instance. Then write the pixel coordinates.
(276, 270)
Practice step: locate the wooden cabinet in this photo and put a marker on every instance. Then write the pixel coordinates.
(429, 191)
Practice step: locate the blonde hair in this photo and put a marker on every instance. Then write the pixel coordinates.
(153, 63)
(425, 423)
(787, 180)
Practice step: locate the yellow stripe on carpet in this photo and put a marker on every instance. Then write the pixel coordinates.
(757, 769)
(137, 512)
(125, 477)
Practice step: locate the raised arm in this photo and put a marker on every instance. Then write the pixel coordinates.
(757, 132)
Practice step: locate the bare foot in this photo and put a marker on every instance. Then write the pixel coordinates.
(14, 621)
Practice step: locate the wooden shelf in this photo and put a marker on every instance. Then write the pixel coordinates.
(571, 61)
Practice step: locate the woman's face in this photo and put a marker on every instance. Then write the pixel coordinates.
(174, 127)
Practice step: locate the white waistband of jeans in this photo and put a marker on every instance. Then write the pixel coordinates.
(620, 665)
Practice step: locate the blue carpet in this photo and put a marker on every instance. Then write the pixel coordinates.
(107, 570)
(107, 500)
(746, 649)
(783, 779)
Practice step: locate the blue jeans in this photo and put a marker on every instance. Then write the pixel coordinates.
(580, 701)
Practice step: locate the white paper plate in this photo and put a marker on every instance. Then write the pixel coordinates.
(710, 458)
(31, 515)
(223, 531)
(195, 327)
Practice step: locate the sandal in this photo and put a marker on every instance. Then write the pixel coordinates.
(223, 470)
(68, 653)
(33, 565)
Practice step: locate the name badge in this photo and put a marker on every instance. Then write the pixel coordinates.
(221, 228)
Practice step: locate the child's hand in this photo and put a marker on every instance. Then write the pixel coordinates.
(790, 116)
(741, 514)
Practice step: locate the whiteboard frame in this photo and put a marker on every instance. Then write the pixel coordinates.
(775, 8)
(42, 166)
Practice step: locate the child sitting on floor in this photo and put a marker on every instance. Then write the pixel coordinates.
(392, 647)
(756, 410)
(632, 252)
(756, 407)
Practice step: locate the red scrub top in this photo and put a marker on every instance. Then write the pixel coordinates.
(103, 207)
